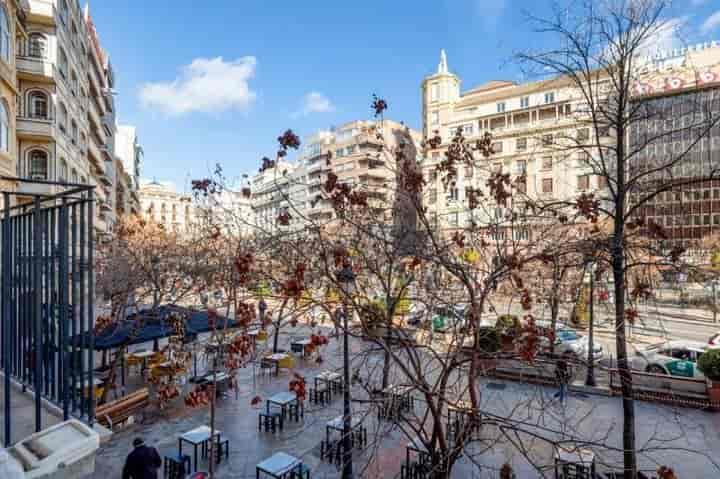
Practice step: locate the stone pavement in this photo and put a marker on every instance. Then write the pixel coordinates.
(685, 439)
(22, 414)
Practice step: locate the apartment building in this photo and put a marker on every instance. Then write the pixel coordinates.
(12, 31)
(65, 107)
(106, 167)
(129, 152)
(279, 189)
(530, 124)
(355, 154)
(162, 204)
(679, 86)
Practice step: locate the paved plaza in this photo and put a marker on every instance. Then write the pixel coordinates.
(683, 438)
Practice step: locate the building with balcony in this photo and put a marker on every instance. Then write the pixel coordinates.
(358, 157)
(530, 125)
(108, 172)
(277, 190)
(12, 32)
(52, 125)
(161, 204)
(130, 153)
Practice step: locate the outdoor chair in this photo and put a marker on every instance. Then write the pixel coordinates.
(176, 467)
(223, 447)
(266, 366)
(270, 422)
(286, 363)
(320, 395)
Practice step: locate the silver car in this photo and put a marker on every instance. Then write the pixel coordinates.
(569, 341)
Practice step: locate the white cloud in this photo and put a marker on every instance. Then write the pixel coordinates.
(711, 23)
(314, 102)
(666, 36)
(207, 85)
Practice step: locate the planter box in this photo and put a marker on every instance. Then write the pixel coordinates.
(64, 451)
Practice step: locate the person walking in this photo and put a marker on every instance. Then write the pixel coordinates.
(262, 307)
(562, 376)
(142, 463)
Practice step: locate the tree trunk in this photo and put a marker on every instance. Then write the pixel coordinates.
(386, 370)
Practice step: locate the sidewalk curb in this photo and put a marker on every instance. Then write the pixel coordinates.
(596, 390)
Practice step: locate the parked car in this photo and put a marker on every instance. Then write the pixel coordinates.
(675, 358)
(569, 341)
(448, 318)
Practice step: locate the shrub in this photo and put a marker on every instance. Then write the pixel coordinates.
(489, 340)
(709, 364)
(508, 324)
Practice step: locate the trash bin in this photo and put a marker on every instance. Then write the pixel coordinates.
(63, 451)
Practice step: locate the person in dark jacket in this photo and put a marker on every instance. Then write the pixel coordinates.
(562, 375)
(142, 462)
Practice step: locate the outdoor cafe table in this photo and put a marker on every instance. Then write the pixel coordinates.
(276, 358)
(144, 355)
(196, 437)
(416, 446)
(279, 465)
(328, 377)
(337, 424)
(283, 399)
(400, 396)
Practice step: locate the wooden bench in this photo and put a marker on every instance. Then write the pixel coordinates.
(119, 411)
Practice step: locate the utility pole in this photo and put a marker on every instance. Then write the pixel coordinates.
(590, 379)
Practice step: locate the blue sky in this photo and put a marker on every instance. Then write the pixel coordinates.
(219, 81)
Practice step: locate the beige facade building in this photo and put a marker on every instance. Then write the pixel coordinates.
(529, 124)
(12, 31)
(351, 152)
(162, 204)
(65, 112)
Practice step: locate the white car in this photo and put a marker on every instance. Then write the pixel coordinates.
(569, 341)
(675, 358)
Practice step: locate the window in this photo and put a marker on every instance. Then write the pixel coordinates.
(339, 153)
(62, 63)
(583, 134)
(350, 150)
(37, 45)
(4, 34)
(38, 165)
(547, 140)
(550, 97)
(521, 144)
(602, 182)
(434, 92)
(453, 219)
(467, 129)
(74, 176)
(38, 101)
(525, 102)
(501, 107)
(74, 132)
(547, 163)
(497, 147)
(547, 185)
(63, 174)
(434, 118)
(433, 196)
(468, 171)
(521, 167)
(583, 182)
(62, 118)
(4, 127)
(452, 192)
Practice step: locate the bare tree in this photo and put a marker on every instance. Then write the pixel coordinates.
(639, 145)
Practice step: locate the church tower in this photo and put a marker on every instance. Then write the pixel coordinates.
(440, 92)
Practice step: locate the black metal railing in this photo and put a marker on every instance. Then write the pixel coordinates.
(47, 296)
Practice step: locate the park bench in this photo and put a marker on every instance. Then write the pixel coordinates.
(119, 411)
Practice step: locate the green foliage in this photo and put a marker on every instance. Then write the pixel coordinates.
(709, 364)
(507, 324)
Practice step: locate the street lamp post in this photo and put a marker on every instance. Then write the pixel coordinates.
(590, 379)
(346, 278)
